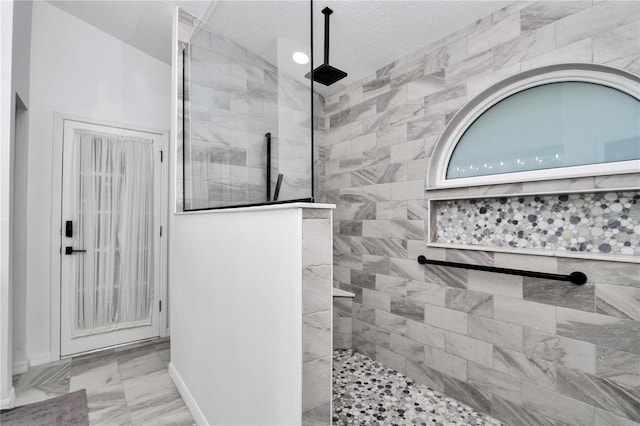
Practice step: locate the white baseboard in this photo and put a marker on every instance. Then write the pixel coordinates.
(8, 401)
(21, 366)
(39, 359)
(187, 397)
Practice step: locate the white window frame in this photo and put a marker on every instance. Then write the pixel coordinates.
(589, 73)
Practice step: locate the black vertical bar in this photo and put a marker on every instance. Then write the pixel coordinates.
(312, 100)
(326, 12)
(268, 136)
(184, 132)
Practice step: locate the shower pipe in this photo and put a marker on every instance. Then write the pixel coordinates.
(577, 278)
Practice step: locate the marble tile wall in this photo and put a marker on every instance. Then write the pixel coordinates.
(232, 103)
(342, 322)
(528, 351)
(293, 138)
(187, 24)
(234, 98)
(319, 152)
(316, 317)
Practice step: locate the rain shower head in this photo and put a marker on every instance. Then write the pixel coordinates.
(325, 73)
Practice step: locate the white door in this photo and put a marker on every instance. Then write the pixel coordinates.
(110, 242)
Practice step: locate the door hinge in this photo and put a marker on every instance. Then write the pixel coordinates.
(161, 156)
(161, 231)
(160, 305)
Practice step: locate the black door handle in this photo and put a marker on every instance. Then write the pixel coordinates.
(71, 250)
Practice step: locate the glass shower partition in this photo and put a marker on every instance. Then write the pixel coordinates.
(248, 136)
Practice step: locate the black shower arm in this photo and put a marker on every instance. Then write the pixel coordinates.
(326, 11)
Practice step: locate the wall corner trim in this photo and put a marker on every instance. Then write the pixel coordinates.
(191, 403)
(9, 401)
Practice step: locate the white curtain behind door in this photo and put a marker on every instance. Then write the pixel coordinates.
(113, 196)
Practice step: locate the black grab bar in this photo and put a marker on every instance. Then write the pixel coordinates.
(577, 278)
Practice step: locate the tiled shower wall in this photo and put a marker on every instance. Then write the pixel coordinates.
(233, 102)
(235, 98)
(293, 138)
(316, 317)
(528, 351)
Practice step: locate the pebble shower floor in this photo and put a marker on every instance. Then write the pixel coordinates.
(366, 392)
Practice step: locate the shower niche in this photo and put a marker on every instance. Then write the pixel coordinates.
(248, 127)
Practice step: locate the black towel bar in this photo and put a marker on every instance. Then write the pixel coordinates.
(577, 278)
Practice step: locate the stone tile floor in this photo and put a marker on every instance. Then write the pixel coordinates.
(125, 385)
(129, 385)
(366, 392)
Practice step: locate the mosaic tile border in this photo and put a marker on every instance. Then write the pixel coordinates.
(595, 223)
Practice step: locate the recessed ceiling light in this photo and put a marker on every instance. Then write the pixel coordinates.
(300, 58)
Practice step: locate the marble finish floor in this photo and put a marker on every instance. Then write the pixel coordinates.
(366, 392)
(128, 385)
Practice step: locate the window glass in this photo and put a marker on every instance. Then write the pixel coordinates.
(554, 125)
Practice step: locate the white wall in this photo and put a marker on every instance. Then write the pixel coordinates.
(15, 35)
(236, 306)
(20, 77)
(21, 48)
(6, 24)
(78, 70)
(19, 235)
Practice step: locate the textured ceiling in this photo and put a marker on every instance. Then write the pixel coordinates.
(365, 35)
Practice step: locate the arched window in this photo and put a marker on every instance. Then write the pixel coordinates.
(556, 122)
